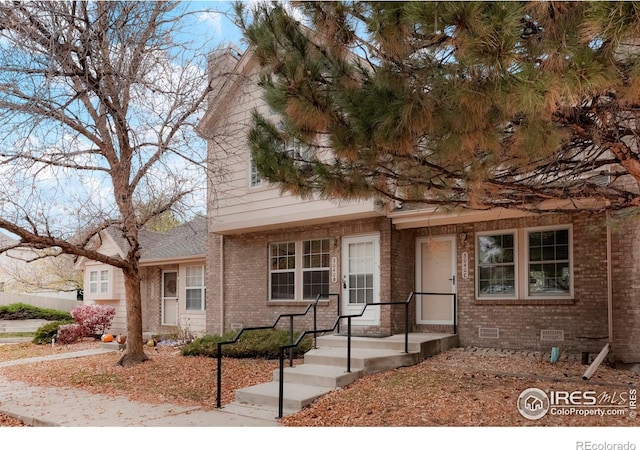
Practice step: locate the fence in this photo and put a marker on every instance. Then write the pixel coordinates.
(41, 301)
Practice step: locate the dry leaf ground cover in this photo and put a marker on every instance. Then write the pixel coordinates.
(461, 387)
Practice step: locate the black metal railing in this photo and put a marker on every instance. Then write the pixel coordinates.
(349, 317)
(313, 305)
(454, 299)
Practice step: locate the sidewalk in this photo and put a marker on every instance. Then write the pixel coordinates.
(70, 407)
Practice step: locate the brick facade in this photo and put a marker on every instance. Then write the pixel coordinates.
(519, 324)
(625, 256)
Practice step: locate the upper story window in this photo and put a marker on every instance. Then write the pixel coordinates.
(299, 269)
(526, 263)
(254, 177)
(195, 289)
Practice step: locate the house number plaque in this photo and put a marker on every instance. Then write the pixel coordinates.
(334, 270)
(465, 265)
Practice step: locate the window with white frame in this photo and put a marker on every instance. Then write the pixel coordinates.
(549, 264)
(195, 290)
(315, 268)
(497, 265)
(299, 269)
(282, 271)
(99, 281)
(254, 176)
(526, 263)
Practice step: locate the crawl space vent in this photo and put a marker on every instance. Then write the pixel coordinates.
(552, 335)
(488, 333)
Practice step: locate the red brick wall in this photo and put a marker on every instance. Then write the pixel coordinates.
(583, 319)
(246, 282)
(625, 244)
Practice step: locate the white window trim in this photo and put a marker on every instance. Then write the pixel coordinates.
(255, 180)
(299, 270)
(98, 270)
(201, 288)
(521, 257)
(526, 294)
(516, 263)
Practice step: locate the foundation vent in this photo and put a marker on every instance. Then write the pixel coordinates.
(236, 326)
(552, 335)
(488, 333)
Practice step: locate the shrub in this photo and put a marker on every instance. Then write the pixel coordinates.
(70, 333)
(46, 332)
(252, 344)
(95, 319)
(22, 311)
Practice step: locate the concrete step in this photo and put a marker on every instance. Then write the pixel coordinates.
(427, 344)
(296, 396)
(254, 411)
(325, 368)
(318, 375)
(369, 361)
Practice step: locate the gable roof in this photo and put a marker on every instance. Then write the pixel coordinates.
(186, 241)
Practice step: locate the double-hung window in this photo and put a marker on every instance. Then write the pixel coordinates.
(299, 269)
(194, 285)
(282, 270)
(497, 265)
(525, 263)
(549, 265)
(315, 268)
(99, 281)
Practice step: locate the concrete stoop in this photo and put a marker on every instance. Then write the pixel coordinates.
(325, 368)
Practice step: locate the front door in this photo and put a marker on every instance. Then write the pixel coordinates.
(361, 278)
(436, 275)
(170, 298)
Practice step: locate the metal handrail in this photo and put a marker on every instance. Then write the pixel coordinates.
(267, 327)
(454, 297)
(349, 317)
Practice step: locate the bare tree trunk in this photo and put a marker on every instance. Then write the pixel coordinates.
(135, 347)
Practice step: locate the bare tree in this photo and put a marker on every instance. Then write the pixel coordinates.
(35, 271)
(98, 107)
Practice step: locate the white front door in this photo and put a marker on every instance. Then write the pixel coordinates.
(361, 278)
(435, 274)
(170, 298)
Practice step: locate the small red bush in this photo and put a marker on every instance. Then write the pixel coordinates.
(95, 319)
(70, 333)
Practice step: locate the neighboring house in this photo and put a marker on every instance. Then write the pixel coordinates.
(172, 266)
(25, 271)
(522, 281)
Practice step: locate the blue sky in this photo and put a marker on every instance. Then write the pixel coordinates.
(213, 23)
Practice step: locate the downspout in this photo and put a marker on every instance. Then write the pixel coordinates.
(221, 284)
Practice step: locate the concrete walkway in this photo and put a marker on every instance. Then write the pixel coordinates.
(71, 407)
